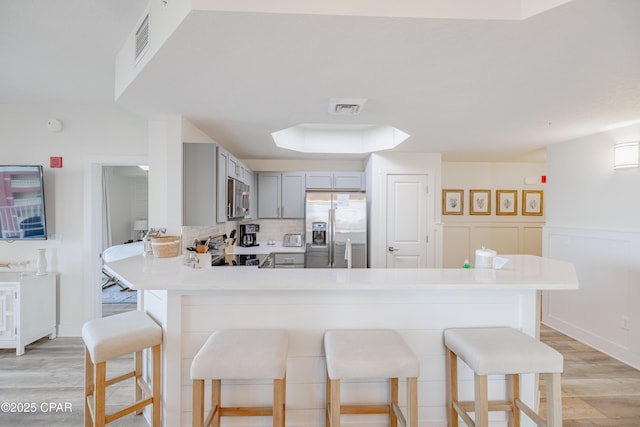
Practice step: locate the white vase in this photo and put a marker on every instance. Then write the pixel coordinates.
(41, 263)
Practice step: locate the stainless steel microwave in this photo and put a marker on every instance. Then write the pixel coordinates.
(237, 199)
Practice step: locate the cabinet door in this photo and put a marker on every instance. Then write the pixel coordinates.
(348, 180)
(199, 184)
(293, 187)
(249, 179)
(269, 196)
(221, 185)
(7, 313)
(319, 180)
(233, 168)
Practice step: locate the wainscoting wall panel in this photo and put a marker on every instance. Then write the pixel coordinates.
(461, 239)
(603, 313)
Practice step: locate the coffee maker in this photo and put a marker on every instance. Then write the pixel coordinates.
(248, 234)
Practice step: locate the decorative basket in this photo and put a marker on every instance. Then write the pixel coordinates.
(165, 246)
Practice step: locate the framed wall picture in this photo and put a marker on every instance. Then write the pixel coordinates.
(532, 202)
(506, 202)
(452, 202)
(480, 202)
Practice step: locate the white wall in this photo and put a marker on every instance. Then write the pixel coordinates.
(463, 234)
(89, 132)
(380, 165)
(593, 221)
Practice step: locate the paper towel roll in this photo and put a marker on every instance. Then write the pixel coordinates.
(485, 258)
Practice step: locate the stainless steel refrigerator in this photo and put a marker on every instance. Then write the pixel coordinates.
(336, 229)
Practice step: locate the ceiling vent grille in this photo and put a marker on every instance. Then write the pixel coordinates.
(346, 106)
(142, 38)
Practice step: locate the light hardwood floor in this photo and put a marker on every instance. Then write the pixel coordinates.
(597, 390)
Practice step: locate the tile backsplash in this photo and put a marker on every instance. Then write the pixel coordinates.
(270, 229)
(275, 229)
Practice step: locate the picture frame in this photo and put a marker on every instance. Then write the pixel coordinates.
(452, 202)
(532, 202)
(506, 202)
(479, 202)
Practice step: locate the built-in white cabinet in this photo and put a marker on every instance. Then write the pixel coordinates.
(335, 181)
(27, 309)
(281, 194)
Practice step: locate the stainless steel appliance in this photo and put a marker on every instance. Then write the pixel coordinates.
(248, 234)
(292, 240)
(336, 230)
(237, 199)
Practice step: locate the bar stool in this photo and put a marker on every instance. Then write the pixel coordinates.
(111, 337)
(501, 351)
(359, 354)
(240, 355)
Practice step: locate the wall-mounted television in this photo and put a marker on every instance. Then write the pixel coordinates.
(22, 213)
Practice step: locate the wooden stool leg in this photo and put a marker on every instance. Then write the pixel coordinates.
(481, 411)
(197, 413)
(335, 402)
(514, 390)
(393, 419)
(89, 388)
(156, 386)
(99, 394)
(216, 402)
(327, 414)
(412, 401)
(554, 399)
(279, 396)
(452, 386)
(137, 366)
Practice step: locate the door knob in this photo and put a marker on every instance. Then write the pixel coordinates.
(392, 249)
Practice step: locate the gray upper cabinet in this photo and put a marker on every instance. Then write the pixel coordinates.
(199, 184)
(221, 187)
(335, 181)
(281, 194)
(319, 180)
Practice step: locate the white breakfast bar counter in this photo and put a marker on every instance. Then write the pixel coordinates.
(419, 303)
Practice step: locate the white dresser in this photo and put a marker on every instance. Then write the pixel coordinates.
(27, 309)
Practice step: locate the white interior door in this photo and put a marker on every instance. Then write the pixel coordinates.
(406, 221)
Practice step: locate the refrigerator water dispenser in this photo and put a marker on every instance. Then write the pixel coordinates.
(319, 234)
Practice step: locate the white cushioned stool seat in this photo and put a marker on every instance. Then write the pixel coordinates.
(240, 354)
(111, 337)
(370, 353)
(115, 336)
(501, 351)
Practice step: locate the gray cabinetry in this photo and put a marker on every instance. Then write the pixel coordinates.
(288, 260)
(335, 181)
(199, 184)
(281, 194)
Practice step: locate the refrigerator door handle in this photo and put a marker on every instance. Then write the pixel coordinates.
(331, 238)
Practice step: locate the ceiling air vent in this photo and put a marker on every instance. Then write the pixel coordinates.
(346, 106)
(142, 38)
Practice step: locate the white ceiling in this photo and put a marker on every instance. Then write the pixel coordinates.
(483, 90)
